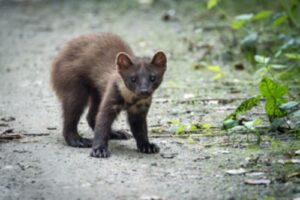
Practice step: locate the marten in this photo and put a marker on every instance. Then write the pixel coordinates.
(100, 70)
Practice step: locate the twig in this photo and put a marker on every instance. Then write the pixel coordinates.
(200, 99)
(10, 136)
(36, 134)
(8, 131)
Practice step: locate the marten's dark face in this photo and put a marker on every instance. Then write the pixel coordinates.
(142, 75)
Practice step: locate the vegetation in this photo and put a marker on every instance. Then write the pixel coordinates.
(269, 42)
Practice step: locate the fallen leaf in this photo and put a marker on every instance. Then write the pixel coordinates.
(188, 95)
(146, 2)
(10, 136)
(295, 174)
(257, 181)
(8, 131)
(151, 198)
(86, 184)
(252, 174)
(236, 171)
(168, 155)
(8, 119)
(223, 152)
(289, 161)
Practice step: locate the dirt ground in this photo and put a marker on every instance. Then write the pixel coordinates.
(41, 166)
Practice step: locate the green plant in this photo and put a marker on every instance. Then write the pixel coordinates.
(277, 108)
(269, 41)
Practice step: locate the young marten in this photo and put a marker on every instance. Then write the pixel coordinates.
(101, 69)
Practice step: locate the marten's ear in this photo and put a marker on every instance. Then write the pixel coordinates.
(123, 61)
(159, 59)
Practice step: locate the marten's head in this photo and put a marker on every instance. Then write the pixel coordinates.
(142, 75)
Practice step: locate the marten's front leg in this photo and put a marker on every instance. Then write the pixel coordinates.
(138, 125)
(107, 114)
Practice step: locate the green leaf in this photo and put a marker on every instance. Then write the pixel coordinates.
(214, 68)
(270, 89)
(212, 3)
(278, 122)
(245, 106)
(288, 106)
(230, 123)
(191, 140)
(279, 20)
(193, 127)
(217, 70)
(277, 66)
(273, 92)
(180, 129)
(294, 56)
(271, 107)
(260, 73)
(237, 24)
(296, 114)
(217, 76)
(252, 124)
(206, 126)
(174, 121)
(263, 14)
(261, 59)
(250, 39)
(244, 17)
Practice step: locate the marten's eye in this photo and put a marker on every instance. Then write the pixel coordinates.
(152, 78)
(133, 79)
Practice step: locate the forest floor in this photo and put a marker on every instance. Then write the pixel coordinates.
(41, 166)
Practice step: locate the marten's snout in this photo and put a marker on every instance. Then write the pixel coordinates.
(145, 92)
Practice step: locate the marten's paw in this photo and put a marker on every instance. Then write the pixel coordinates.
(119, 135)
(79, 142)
(148, 148)
(100, 152)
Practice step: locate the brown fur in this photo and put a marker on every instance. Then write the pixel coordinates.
(85, 71)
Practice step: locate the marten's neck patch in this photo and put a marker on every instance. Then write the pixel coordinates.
(128, 96)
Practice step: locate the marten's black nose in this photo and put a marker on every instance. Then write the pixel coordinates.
(145, 93)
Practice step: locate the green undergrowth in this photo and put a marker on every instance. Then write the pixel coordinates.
(262, 39)
(268, 39)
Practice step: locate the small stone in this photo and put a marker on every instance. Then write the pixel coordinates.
(8, 167)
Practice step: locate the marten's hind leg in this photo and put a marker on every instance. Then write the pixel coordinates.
(73, 107)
